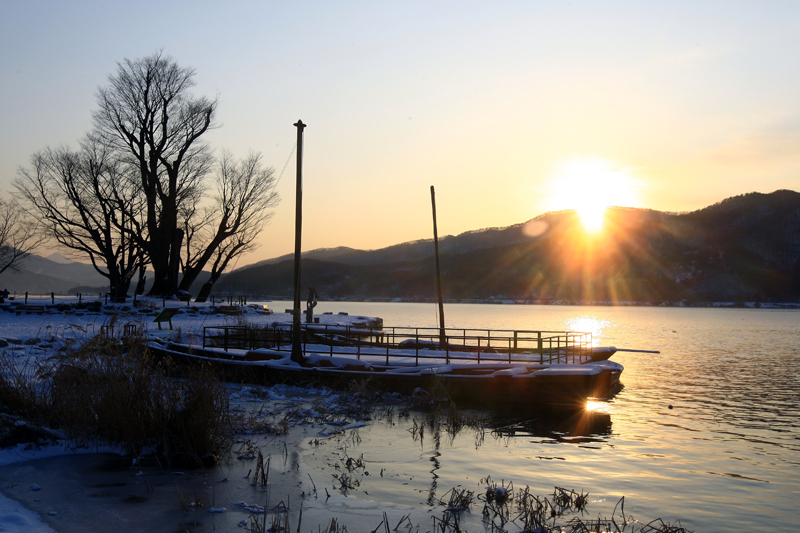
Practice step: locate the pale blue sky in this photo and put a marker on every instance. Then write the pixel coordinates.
(693, 101)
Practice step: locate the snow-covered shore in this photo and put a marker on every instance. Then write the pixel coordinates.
(188, 319)
(78, 489)
(64, 486)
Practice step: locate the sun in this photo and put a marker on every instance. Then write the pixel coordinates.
(590, 186)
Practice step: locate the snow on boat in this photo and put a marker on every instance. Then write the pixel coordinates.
(490, 368)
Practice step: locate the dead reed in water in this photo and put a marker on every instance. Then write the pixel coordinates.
(261, 475)
(447, 422)
(531, 513)
(189, 503)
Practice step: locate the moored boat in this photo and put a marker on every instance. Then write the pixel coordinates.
(559, 370)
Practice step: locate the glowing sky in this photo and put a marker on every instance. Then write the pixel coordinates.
(496, 104)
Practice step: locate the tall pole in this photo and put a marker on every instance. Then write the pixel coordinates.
(297, 351)
(442, 335)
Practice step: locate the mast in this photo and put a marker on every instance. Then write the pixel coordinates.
(297, 351)
(442, 335)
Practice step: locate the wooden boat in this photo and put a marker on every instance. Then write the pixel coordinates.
(426, 373)
(562, 347)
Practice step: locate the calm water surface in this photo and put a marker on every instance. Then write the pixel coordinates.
(725, 457)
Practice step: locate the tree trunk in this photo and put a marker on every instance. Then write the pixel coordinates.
(165, 260)
(119, 285)
(205, 290)
(175, 260)
(142, 280)
(189, 276)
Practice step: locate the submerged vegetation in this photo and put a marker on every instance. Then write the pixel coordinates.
(504, 511)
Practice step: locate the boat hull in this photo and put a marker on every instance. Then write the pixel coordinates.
(471, 384)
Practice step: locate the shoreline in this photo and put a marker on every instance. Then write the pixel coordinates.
(80, 487)
(87, 488)
(584, 303)
(683, 304)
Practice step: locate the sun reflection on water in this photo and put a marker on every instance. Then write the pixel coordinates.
(589, 324)
(593, 406)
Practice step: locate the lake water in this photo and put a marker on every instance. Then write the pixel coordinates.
(707, 432)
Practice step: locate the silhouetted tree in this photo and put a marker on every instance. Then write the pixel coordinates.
(90, 206)
(227, 227)
(154, 125)
(19, 235)
(135, 193)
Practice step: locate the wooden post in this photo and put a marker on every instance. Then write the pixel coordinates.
(297, 352)
(442, 334)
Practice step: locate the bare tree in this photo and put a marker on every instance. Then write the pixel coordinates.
(19, 235)
(90, 206)
(135, 193)
(147, 115)
(245, 193)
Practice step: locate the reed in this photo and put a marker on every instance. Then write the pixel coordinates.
(111, 390)
(261, 476)
(189, 503)
(503, 506)
(19, 394)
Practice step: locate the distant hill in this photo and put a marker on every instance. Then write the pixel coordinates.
(745, 248)
(414, 250)
(58, 258)
(58, 274)
(41, 275)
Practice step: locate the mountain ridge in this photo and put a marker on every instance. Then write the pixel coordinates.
(746, 247)
(742, 248)
(39, 274)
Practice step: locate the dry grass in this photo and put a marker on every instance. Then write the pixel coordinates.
(111, 390)
(18, 388)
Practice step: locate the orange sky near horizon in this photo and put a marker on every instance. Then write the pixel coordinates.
(508, 109)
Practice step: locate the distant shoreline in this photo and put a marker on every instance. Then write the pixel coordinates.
(573, 303)
(221, 299)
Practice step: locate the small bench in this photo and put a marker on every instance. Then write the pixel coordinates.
(165, 315)
(38, 309)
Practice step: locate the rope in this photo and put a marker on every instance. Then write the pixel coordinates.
(286, 164)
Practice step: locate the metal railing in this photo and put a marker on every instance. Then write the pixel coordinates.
(471, 345)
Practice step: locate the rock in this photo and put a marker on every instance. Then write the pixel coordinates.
(35, 487)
